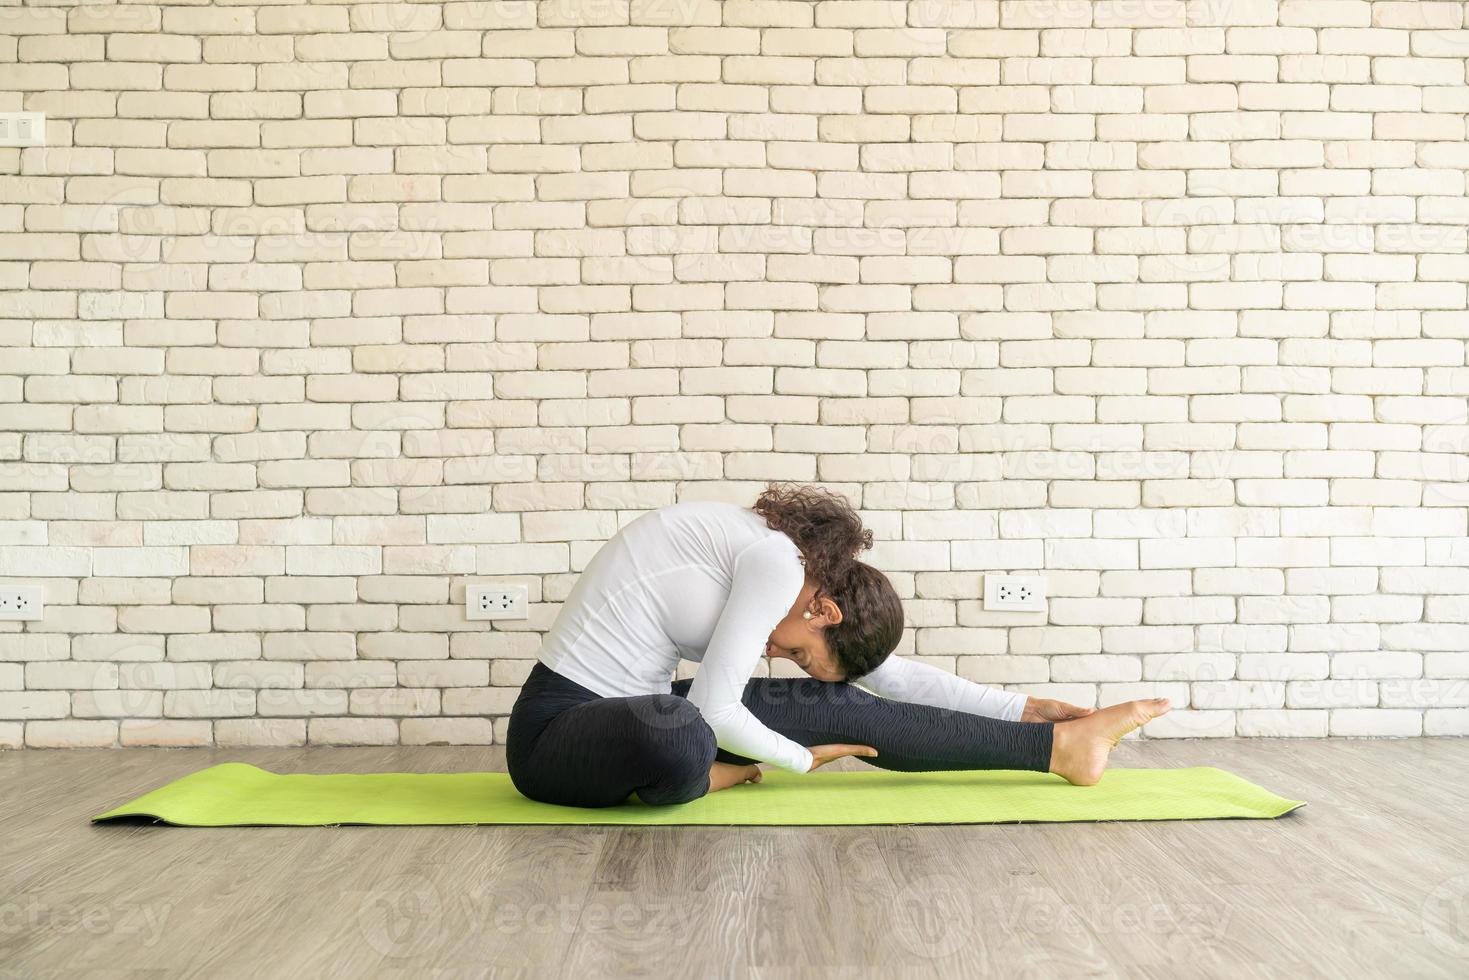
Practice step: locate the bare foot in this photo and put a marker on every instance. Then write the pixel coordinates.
(1079, 748)
(723, 775)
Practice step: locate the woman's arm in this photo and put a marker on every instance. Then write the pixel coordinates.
(921, 683)
(765, 585)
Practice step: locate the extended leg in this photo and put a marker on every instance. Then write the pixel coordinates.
(908, 737)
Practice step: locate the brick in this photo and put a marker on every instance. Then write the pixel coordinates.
(117, 704)
(34, 704)
(447, 731)
(240, 732)
(208, 704)
(1376, 721)
(1191, 723)
(1281, 724)
(71, 734)
(353, 731)
(394, 701)
(165, 734)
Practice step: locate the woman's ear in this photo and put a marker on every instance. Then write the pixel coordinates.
(829, 610)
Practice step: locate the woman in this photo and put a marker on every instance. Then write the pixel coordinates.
(600, 717)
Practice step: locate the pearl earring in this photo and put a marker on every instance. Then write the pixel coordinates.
(806, 615)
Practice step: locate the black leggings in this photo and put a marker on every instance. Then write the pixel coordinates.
(571, 746)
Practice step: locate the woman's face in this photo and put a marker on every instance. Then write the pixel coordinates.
(802, 640)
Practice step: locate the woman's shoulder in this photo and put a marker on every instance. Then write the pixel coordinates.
(721, 513)
(713, 508)
(738, 528)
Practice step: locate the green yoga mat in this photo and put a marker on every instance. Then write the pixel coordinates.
(234, 794)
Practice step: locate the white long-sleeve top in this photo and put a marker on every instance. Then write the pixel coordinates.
(708, 581)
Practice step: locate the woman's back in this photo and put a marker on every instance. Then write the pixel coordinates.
(653, 594)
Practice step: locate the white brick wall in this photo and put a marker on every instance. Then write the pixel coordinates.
(312, 314)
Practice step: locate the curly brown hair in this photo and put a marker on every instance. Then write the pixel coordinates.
(830, 535)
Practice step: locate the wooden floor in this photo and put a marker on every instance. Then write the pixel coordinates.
(1371, 878)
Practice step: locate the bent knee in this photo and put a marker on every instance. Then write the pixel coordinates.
(669, 794)
(678, 732)
(679, 755)
(679, 777)
(659, 716)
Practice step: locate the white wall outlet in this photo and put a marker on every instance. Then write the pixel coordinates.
(22, 129)
(497, 602)
(20, 601)
(1015, 593)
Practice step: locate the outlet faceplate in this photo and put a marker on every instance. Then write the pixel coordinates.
(497, 602)
(1015, 593)
(22, 129)
(20, 601)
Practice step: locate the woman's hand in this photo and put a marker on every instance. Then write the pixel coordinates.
(822, 754)
(723, 775)
(1045, 709)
